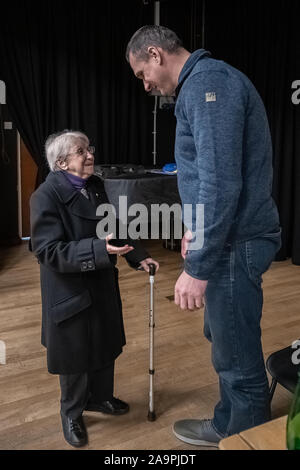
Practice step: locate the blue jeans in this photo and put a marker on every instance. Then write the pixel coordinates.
(233, 309)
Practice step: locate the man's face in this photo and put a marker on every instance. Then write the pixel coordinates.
(154, 74)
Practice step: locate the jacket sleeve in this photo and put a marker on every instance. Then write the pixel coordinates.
(137, 255)
(214, 107)
(49, 244)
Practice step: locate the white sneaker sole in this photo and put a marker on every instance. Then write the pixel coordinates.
(196, 442)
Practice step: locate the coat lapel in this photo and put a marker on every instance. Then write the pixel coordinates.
(78, 204)
(83, 207)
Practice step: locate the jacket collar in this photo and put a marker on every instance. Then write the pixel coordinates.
(78, 204)
(63, 188)
(189, 65)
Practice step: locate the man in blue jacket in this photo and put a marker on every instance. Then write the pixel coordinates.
(223, 152)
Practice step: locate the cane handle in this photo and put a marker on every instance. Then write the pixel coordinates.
(152, 268)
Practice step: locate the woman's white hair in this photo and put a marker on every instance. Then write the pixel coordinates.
(58, 146)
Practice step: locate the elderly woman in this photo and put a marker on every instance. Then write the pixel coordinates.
(82, 325)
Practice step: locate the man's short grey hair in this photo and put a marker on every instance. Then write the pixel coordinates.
(152, 35)
(58, 146)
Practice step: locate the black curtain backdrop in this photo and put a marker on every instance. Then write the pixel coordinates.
(64, 67)
(262, 39)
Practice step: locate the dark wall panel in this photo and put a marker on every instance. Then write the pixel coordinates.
(8, 180)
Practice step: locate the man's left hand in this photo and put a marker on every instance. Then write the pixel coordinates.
(189, 292)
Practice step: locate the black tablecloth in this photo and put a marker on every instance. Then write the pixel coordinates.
(144, 189)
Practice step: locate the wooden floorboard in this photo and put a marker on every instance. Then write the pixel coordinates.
(186, 385)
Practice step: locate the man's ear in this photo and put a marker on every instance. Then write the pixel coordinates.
(155, 54)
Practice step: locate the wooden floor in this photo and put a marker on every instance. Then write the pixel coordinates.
(185, 382)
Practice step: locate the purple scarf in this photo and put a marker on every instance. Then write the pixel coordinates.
(76, 181)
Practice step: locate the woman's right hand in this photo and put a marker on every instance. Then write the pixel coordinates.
(117, 250)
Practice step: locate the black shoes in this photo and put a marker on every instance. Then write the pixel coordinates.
(74, 431)
(111, 407)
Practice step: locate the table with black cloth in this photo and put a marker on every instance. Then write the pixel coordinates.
(142, 188)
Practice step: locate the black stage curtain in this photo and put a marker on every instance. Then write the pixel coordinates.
(262, 39)
(64, 67)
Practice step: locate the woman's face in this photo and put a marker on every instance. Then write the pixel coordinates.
(80, 160)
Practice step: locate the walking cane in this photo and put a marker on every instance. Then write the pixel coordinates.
(151, 412)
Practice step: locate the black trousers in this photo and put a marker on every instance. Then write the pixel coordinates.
(78, 389)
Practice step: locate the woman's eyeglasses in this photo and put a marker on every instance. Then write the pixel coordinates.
(80, 151)
(89, 149)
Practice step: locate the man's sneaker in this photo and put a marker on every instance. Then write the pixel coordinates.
(199, 432)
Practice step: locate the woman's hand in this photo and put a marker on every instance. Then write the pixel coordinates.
(145, 264)
(117, 250)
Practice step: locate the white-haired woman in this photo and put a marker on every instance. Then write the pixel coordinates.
(82, 325)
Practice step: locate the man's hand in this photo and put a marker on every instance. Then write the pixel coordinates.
(145, 264)
(189, 292)
(185, 242)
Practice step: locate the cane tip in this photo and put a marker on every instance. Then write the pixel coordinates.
(151, 416)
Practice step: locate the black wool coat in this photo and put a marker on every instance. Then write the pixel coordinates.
(82, 323)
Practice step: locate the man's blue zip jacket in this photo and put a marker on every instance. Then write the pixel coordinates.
(223, 152)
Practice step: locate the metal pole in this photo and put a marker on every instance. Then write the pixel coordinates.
(203, 24)
(156, 22)
(151, 412)
(157, 13)
(154, 129)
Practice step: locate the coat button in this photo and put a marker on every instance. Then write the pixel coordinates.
(84, 265)
(90, 264)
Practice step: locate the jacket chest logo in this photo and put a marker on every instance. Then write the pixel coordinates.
(211, 96)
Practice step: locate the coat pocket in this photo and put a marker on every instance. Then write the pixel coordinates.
(70, 306)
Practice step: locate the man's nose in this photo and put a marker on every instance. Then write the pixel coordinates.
(147, 86)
